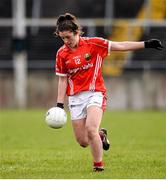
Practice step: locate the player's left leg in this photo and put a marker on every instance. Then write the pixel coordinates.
(94, 116)
(104, 139)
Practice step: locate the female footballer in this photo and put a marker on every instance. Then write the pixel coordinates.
(79, 65)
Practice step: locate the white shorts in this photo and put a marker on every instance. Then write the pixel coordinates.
(79, 103)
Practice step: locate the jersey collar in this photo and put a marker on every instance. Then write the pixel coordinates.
(81, 41)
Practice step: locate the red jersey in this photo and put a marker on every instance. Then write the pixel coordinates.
(83, 66)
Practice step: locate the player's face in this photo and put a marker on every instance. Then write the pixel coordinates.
(70, 38)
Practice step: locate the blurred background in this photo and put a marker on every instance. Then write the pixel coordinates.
(134, 80)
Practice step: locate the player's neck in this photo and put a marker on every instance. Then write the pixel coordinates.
(77, 40)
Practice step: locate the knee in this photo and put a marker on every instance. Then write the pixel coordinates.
(84, 145)
(82, 142)
(92, 132)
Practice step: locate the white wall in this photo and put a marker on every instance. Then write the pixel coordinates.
(131, 90)
(137, 91)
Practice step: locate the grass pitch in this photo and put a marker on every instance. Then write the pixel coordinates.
(30, 149)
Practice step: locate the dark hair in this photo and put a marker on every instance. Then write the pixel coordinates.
(67, 22)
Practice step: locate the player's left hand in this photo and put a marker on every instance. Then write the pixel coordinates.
(154, 43)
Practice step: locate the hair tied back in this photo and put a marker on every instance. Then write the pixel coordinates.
(67, 22)
(69, 17)
(61, 19)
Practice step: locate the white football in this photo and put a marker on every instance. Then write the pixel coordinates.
(56, 117)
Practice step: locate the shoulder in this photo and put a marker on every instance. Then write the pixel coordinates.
(96, 40)
(62, 51)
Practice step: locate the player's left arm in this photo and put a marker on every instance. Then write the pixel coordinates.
(131, 45)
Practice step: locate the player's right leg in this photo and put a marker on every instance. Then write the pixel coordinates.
(80, 132)
(77, 107)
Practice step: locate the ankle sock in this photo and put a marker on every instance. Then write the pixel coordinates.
(98, 164)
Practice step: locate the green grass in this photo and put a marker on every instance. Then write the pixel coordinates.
(30, 149)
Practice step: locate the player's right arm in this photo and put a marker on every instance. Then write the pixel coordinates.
(62, 87)
(61, 71)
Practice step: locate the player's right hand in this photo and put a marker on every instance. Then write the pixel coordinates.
(60, 105)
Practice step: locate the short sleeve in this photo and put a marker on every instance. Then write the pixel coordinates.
(101, 41)
(60, 68)
(102, 45)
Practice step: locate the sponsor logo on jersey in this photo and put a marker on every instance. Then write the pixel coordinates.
(83, 67)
